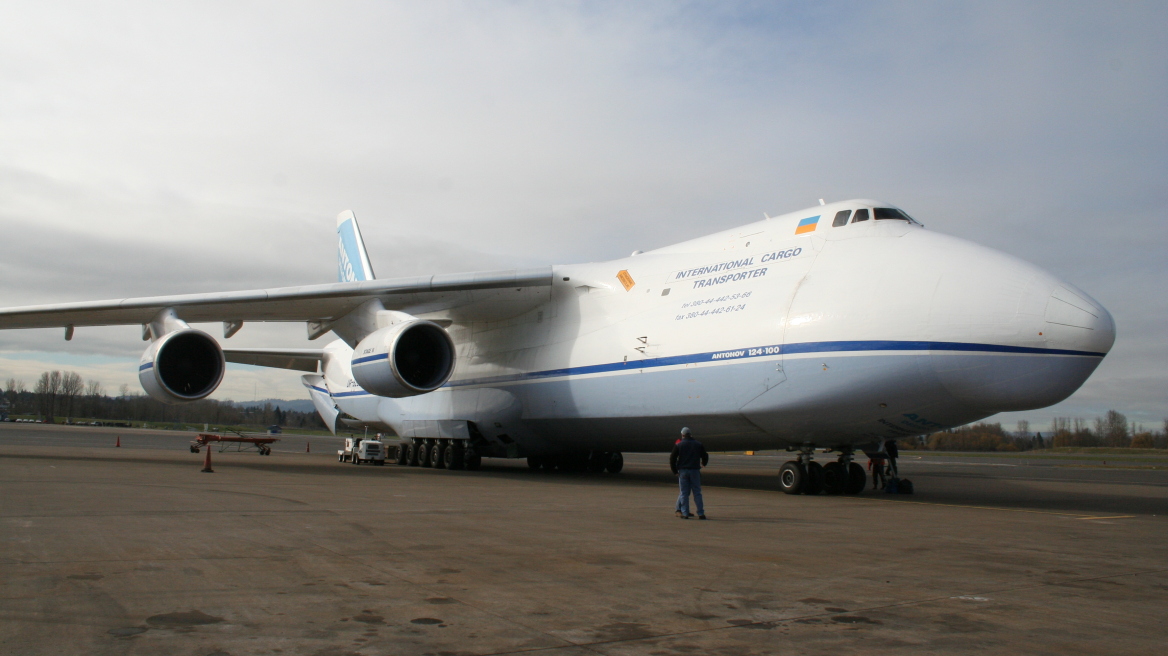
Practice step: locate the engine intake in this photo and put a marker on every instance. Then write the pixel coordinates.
(406, 359)
(181, 366)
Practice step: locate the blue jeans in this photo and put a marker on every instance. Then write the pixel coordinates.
(690, 481)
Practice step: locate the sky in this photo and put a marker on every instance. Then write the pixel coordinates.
(163, 148)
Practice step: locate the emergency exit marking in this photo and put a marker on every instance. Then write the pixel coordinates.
(625, 279)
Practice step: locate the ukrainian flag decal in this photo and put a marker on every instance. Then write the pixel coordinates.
(807, 225)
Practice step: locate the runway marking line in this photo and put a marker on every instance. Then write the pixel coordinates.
(1021, 510)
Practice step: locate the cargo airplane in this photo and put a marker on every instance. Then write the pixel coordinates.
(832, 328)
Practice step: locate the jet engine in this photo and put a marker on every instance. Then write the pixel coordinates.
(181, 366)
(405, 359)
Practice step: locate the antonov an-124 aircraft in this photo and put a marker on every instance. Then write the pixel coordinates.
(828, 330)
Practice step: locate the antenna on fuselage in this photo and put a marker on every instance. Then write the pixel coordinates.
(821, 202)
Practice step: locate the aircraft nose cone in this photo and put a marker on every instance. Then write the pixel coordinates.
(1076, 322)
(1032, 339)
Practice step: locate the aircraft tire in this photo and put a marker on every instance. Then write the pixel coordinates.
(857, 479)
(438, 455)
(834, 478)
(402, 455)
(791, 477)
(412, 454)
(616, 462)
(473, 460)
(424, 454)
(455, 455)
(814, 483)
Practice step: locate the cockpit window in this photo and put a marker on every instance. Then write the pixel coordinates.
(841, 218)
(861, 215)
(891, 213)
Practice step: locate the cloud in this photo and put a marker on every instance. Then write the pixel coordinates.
(165, 148)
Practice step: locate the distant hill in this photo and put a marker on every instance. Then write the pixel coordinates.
(299, 405)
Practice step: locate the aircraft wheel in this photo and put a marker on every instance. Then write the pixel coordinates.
(455, 455)
(473, 460)
(834, 478)
(412, 454)
(814, 483)
(402, 454)
(616, 462)
(438, 455)
(791, 477)
(424, 454)
(857, 479)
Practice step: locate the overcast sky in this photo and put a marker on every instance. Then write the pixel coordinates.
(156, 148)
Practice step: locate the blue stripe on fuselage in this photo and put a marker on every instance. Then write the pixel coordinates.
(752, 352)
(770, 351)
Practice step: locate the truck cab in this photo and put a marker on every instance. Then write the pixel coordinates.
(362, 449)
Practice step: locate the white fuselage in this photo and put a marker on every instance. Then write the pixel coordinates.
(761, 338)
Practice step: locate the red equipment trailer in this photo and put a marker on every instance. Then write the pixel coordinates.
(242, 443)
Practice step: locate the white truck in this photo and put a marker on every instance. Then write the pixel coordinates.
(362, 449)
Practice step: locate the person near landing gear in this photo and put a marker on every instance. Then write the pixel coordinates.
(876, 464)
(893, 452)
(686, 461)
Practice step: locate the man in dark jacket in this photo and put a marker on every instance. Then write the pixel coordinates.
(687, 460)
(893, 452)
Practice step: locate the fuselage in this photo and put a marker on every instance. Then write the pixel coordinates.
(787, 331)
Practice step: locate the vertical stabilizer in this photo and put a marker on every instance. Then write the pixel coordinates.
(352, 260)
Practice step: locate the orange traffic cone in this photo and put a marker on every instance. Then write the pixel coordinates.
(207, 461)
(119, 443)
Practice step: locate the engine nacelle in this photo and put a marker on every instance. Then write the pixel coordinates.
(405, 359)
(181, 366)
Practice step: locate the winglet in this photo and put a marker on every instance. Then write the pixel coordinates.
(352, 260)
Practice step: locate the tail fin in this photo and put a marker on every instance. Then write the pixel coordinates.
(352, 260)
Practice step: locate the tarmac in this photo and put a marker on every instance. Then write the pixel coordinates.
(133, 550)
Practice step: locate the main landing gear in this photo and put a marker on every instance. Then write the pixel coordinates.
(805, 476)
(439, 454)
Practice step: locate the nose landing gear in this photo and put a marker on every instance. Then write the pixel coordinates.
(805, 476)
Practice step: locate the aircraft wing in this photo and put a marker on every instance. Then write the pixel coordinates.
(479, 296)
(299, 359)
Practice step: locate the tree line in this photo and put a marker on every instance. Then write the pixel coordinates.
(1111, 430)
(65, 397)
